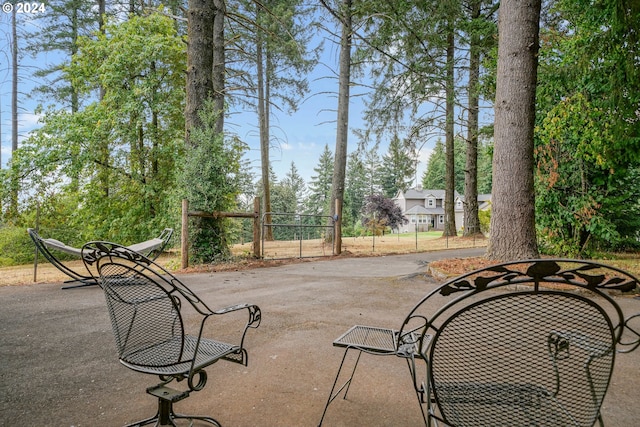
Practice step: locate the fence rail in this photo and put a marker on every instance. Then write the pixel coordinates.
(294, 227)
(184, 239)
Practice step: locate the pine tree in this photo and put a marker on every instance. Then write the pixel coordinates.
(433, 177)
(397, 170)
(320, 187)
(297, 186)
(372, 170)
(357, 187)
(513, 233)
(62, 24)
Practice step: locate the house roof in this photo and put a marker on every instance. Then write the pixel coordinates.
(481, 197)
(421, 210)
(484, 201)
(421, 194)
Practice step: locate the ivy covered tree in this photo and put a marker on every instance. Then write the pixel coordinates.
(211, 177)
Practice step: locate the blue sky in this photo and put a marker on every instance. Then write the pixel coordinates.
(301, 137)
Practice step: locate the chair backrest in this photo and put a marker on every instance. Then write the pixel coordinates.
(146, 319)
(522, 343)
(144, 302)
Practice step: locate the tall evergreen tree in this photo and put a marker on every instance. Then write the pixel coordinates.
(296, 184)
(372, 167)
(433, 176)
(479, 29)
(278, 60)
(357, 187)
(320, 186)
(60, 27)
(513, 234)
(342, 129)
(287, 201)
(397, 170)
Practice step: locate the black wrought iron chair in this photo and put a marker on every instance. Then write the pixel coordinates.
(148, 308)
(517, 344)
(52, 248)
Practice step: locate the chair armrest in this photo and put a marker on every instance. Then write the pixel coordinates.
(253, 321)
(255, 315)
(630, 338)
(231, 308)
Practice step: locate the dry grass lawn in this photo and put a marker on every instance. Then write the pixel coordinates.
(281, 252)
(275, 253)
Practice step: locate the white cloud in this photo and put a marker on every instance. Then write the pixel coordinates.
(29, 121)
(424, 154)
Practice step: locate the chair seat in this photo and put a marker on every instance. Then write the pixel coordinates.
(500, 404)
(158, 360)
(369, 338)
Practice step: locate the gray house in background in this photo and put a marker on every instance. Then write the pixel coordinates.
(425, 208)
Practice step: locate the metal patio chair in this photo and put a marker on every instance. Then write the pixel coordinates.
(524, 343)
(148, 307)
(52, 248)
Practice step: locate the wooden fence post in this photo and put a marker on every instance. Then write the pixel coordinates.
(337, 228)
(256, 227)
(184, 237)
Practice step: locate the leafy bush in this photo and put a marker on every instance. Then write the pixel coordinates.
(16, 248)
(485, 220)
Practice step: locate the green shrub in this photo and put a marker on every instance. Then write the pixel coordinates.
(16, 246)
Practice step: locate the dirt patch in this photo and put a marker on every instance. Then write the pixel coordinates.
(456, 266)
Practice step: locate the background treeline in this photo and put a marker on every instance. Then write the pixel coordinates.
(109, 159)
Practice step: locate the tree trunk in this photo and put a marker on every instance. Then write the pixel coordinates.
(104, 152)
(200, 16)
(513, 234)
(449, 182)
(15, 184)
(14, 82)
(219, 62)
(471, 220)
(342, 129)
(264, 136)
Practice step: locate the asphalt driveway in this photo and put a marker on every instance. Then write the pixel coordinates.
(58, 364)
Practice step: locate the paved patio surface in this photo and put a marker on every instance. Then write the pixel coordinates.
(58, 365)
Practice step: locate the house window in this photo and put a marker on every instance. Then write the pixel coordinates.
(431, 202)
(413, 219)
(422, 219)
(440, 219)
(459, 204)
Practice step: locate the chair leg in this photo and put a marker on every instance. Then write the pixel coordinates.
(82, 283)
(347, 383)
(165, 415)
(419, 393)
